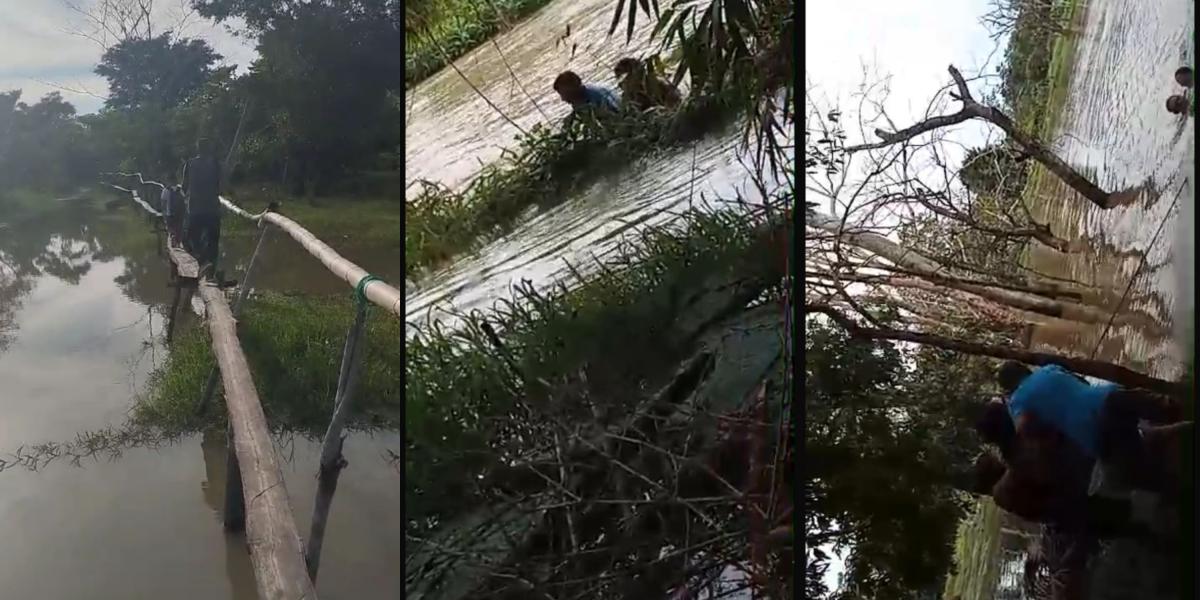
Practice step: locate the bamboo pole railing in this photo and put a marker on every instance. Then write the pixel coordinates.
(378, 292)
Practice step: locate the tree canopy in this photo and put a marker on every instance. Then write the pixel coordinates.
(887, 439)
(318, 105)
(162, 71)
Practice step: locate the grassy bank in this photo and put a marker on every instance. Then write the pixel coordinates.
(975, 551)
(473, 396)
(294, 347)
(540, 172)
(448, 29)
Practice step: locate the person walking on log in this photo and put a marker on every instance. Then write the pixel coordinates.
(1102, 419)
(202, 180)
(172, 212)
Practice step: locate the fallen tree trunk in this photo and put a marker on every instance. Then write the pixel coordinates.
(1084, 366)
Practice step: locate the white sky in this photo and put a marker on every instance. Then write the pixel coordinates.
(39, 54)
(914, 41)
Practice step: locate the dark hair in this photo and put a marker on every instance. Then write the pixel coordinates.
(567, 79)
(625, 65)
(1011, 374)
(995, 426)
(1177, 104)
(1183, 72)
(988, 470)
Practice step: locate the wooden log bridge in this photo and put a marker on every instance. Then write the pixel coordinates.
(276, 551)
(256, 496)
(271, 533)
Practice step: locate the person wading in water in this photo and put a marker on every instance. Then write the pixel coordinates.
(202, 181)
(641, 88)
(584, 98)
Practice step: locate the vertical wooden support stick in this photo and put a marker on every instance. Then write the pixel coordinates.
(332, 461)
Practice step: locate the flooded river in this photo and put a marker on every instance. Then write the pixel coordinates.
(1115, 124)
(451, 131)
(83, 296)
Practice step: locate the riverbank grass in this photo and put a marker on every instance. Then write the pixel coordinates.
(541, 171)
(565, 353)
(975, 551)
(294, 347)
(374, 220)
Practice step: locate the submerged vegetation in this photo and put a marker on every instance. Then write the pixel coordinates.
(439, 31)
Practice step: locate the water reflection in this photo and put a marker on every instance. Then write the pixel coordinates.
(237, 559)
(83, 299)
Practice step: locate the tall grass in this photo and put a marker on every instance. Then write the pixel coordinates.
(598, 346)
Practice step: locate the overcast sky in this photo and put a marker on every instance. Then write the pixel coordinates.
(39, 54)
(913, 41)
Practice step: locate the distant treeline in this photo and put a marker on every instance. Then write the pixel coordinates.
(322, 102)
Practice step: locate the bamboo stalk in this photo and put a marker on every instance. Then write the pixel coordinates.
(271, 533)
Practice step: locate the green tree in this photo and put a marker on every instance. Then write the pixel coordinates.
(43, 144)
(161, 71)
(887, 438)
(325, 75)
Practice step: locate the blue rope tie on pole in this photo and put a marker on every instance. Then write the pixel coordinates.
(360, 289)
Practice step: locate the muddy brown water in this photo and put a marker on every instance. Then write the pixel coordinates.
(82, 302)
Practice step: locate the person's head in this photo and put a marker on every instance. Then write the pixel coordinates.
(1177, 104)
(995, 426)
(204, 146)
(1010, 375)
(1183, 76)
(627, 66)
(988, 470)
(569, 87)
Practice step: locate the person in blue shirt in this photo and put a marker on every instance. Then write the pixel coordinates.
(1101, 419)
(584, 98)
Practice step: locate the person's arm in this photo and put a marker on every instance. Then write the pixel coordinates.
(186, 164)
(1011, 494)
